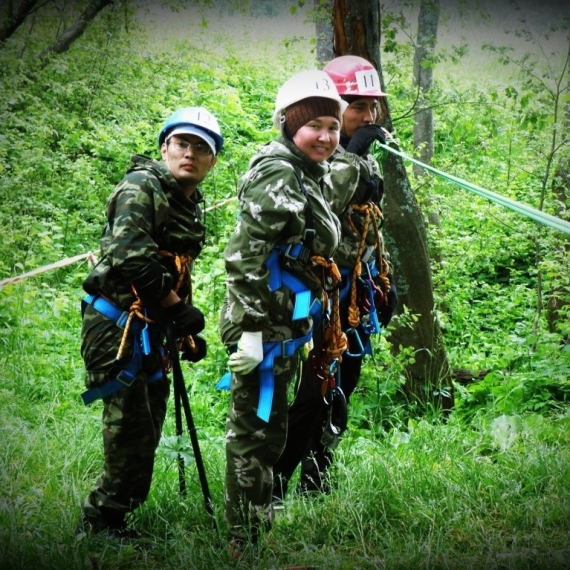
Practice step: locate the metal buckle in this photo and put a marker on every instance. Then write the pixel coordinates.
(287, 251)
(367, 254)
(303, 254)
(121, 377)
(122, 320)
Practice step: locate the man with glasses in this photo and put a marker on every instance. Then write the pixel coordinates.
(141, 285)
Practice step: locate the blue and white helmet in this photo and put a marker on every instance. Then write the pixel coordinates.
(193, 121)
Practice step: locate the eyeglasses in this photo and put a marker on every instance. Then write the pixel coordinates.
(200, 149)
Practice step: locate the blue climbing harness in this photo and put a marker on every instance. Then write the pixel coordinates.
(141, 331)
(305, 304)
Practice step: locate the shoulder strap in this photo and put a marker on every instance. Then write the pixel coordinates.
(309, 220)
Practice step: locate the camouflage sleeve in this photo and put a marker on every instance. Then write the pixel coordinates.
(271, 212)
(342, 181)
(136, 211)
(352, 180)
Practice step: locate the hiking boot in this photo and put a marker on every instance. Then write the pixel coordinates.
(114, 526)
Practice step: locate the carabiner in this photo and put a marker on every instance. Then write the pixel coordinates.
(358, 339)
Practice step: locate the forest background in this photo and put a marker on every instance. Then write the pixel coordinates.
(488, 487)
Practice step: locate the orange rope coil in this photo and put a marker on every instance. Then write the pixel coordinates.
(334, 342)
(372, 214)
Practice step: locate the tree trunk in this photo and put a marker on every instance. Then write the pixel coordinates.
(428, 20)
(63, 43)
(14, 19)
(356, 30)
(323, 10)
(558, 298)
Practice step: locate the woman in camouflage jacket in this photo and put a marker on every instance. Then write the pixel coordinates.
(281, 203)
(314, 427)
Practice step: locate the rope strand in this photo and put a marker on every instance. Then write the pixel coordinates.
(182, 264)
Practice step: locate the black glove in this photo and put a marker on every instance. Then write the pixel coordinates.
(363, 137)
(186, 319)
(386, 312)
(196, 354)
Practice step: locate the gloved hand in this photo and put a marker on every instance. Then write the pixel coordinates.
(386, 311)
(249, 353)
(152, 283)
(363, 137)
(186, 319)
(197, 353)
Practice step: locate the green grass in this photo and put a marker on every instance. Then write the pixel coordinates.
(492, 492)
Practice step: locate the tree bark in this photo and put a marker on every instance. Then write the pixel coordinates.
(323, 10)
(14, 19)
(356, 30)
(428, 20)
(559, 299)
(63, 43)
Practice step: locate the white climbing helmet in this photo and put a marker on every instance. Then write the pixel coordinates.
(308, 83)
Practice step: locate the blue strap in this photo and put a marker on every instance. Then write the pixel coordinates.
(107, 309)
(271, 350)
(141, 345)
(304, 301)
(225, 382)
(123, 380)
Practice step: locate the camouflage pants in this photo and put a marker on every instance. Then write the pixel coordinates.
(252, 448)
(132, 419)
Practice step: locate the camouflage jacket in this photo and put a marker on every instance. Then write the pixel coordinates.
(273, 211)
(147, 213)
(352, 180)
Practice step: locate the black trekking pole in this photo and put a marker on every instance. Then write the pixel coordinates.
(181, 400)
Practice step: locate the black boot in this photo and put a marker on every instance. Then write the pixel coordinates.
(109, 522)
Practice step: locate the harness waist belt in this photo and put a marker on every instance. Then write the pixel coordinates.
(271, 350)
(126, 376)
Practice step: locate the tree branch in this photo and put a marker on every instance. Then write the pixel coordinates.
(63, 43)
(13, 23)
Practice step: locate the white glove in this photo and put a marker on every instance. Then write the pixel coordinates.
(249, 353)
(306, 349)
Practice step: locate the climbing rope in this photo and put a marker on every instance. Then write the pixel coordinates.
(372, 214)
(89, 256)
(135, 310)
(329, 355)
(182, 264)
(537, 215)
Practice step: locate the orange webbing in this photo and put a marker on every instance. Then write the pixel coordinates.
(334, 340)
(182, 264)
